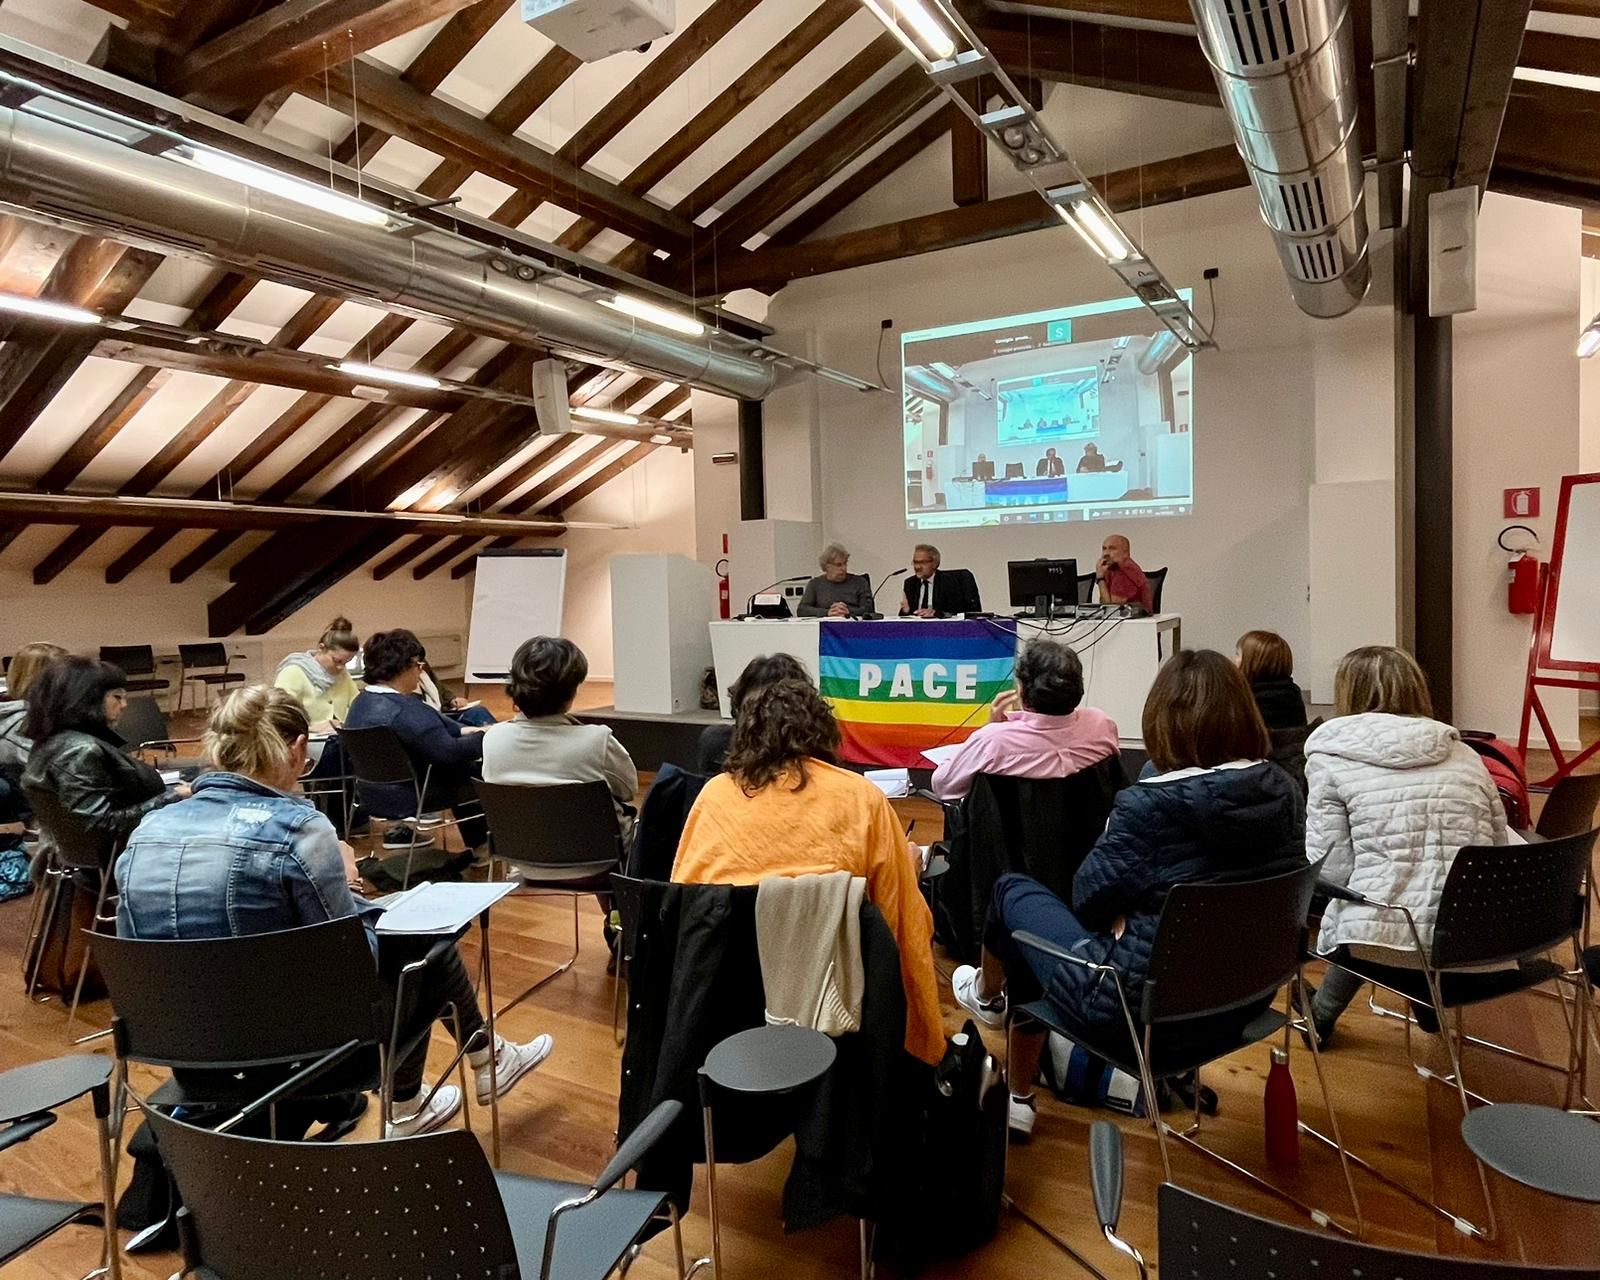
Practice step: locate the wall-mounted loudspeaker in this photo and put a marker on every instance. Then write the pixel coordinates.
(550, 403)
(1453, 251)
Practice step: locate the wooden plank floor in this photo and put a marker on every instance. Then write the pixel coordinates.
(560, 1123)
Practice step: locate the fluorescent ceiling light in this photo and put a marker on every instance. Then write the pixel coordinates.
(1589, 339)
(926, 27)
(44, 309)
(639, 309)
(394, 377)
(283, 184)
(1105, 234)
(606, 415)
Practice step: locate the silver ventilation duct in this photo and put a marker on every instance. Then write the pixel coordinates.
(1286, 72)
(94, 182)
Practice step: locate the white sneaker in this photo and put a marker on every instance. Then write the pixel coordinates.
(441, 1108)
(512, 1062)
(1023, 1113)
(964, 982)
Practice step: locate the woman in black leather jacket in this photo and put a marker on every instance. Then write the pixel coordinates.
(87, 793)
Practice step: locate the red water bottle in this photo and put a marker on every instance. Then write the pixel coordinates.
(1283, 1113)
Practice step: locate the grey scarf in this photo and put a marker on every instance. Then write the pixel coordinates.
(321, 681)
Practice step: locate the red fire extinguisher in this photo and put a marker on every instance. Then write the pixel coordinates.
(724, 598)
(1522, 576)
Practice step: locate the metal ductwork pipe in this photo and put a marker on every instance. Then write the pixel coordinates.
(91, 182)
(924, 382)
(1286, 72)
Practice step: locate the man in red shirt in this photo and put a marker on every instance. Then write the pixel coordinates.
(1122, 581)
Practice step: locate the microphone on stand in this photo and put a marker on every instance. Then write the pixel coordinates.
(887, 578)
(750, 605)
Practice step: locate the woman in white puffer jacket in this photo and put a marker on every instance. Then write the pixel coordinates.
(1394, 794)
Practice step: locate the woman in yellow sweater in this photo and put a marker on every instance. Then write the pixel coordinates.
(317, 677)
(784, 809)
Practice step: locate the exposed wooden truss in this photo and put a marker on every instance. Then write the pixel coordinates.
(248, 56)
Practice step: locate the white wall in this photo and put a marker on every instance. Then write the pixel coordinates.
(1285, 403)
(1516, 423)
(656, 499)
(1241, 560)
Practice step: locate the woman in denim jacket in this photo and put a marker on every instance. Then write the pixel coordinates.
(244, 856)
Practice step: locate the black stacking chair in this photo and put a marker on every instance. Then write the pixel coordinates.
(233, 1017)
(1205, 973)
(433, 1208)
(1503, 909)
(561, 839)
(144, 727)
(1086, 583)
(138, 663)
(376, 756)
(205, 665)
(29, 1099)
(1158, 579)
(1569, 809)
(1200, 1238)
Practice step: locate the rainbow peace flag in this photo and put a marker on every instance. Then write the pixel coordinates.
(898, 688)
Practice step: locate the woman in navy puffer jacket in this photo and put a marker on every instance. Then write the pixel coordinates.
(1215, 809)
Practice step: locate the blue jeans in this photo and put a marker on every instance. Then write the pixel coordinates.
(1022, 905)
(473, 717)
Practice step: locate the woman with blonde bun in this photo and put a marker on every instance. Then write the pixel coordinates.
(245, 855)
(319, 678)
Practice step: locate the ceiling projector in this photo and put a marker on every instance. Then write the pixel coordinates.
(595, 29)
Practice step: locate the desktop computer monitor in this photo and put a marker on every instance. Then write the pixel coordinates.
(1045, 585)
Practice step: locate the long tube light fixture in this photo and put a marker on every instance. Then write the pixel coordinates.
(389, 377)
(953, 55)
(282, 184)
(606, 415)
(1589, 339)
(650, 313)
(44, 309)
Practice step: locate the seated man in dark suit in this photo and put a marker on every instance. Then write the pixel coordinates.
(982, 468)
(930, 593)
(1050, 465)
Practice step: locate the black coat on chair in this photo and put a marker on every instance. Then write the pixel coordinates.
(1042, 827)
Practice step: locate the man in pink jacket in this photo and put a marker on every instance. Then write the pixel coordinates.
(1038, 731)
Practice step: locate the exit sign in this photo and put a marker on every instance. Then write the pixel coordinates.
(1058, 331)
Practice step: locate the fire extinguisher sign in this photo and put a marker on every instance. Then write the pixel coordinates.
(1521, 503)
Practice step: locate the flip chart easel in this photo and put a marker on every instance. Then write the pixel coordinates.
(1564, 650)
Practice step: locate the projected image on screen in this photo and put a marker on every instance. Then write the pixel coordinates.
(1074, 414)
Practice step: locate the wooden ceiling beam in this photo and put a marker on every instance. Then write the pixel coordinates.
(1548, 51)
(1164, 182)
(791, 125)
(857, 133)
(606, 474)
(528, 502)
(175, 452)
(513, 481)
(766, 71)
(428, 70)
(889, 161)
(291, 41)
(671, 401)
(1545, 150)
(1154, 64)
(105, 512)
(36, 365)
(449, 131)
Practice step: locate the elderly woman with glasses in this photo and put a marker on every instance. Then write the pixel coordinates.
(836, 592)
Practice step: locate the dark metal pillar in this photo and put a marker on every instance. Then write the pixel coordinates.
(1433, 510)
(752, 466)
